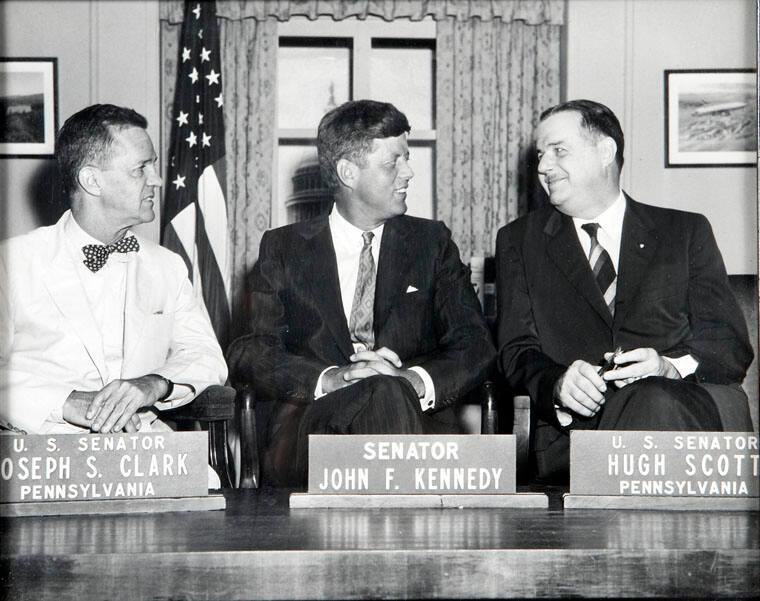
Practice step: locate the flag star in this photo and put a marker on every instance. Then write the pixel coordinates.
(192, 139)
(197, 11)
(213, 77)
(206, 140)
(219, 100)
(205, 55)
(182, 119)
(179, 182)
(185, 54)
(200, 118)
(200, 34)
(193, 75)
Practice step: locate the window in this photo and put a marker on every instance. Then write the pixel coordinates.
(324, 63)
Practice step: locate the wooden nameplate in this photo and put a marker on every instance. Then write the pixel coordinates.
(111, 506)
(511, 501)
(572, 501)
(678, 471)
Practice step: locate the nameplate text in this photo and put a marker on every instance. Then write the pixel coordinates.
(410, 464)
(677, 464)
(80, 467)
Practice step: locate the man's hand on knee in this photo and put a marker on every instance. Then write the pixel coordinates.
(364, 364)
(580, 389)
(114, 408)
(75, 411)
(640, 363)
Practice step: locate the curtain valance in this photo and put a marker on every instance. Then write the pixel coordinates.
(531, 12)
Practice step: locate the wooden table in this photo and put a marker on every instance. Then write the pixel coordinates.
(258, 548)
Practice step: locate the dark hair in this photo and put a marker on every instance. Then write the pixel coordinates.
(86, 138)
(347, 132)
(597, 119)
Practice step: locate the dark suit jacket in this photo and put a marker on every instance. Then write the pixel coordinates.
(672, 295)
(299, 328)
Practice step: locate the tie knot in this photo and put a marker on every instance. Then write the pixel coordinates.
(96, 255)
(367, 237)
(591, 229)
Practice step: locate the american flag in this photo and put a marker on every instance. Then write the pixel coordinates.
(195, 209)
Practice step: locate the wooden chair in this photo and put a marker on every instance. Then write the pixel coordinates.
(214, 409)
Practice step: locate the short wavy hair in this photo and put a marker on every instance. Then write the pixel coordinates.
(347, 132)
(86, 138)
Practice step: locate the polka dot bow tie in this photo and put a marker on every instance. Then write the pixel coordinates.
(96, 255)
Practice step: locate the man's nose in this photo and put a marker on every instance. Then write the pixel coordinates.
(406, 171)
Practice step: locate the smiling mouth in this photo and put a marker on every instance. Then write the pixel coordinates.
(401, 190)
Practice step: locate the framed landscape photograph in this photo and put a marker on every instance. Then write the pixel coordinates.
(710, 118)
(28, 107)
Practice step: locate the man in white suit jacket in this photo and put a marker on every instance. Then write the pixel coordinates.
(99, 328)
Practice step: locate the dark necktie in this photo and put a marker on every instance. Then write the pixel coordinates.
(96, 255)
(360, 324)
(601, 265)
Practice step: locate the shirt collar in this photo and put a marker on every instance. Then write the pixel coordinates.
(78, 238)
(345, 232)
(610, 220)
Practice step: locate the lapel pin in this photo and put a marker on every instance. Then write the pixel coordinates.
(641, 245)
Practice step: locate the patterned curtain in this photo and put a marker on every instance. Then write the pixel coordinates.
(497, 68)
(494, 78)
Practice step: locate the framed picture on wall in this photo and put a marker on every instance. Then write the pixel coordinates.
(710, 118)
(28, 107)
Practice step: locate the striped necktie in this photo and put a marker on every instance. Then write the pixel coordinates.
(361, 322)
(601, 265)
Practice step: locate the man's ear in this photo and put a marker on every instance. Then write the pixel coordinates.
(608, 149)
(88, 178)
(347, 172)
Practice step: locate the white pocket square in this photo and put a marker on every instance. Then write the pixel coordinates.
(411, 289)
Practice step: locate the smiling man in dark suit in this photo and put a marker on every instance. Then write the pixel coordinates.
(597, 271)
(364, 321)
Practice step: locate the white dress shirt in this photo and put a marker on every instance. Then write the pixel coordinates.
(348, 243)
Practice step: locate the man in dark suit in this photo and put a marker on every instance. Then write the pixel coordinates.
(364, 322)
(597, 270)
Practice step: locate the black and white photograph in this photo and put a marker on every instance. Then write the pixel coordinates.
(27, 106)
(379, 299)
(711, 117)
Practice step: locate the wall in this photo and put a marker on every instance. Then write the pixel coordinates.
(617, 52)
(107, 52)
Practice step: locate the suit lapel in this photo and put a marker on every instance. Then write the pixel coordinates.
(66, 290)
(320, 270)
(566, 252)
(393, 264)
(638, 247)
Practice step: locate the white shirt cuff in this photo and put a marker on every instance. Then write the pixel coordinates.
(428, 401)
(318, 392)
(685, 365)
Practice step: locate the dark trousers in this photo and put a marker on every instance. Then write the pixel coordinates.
(376, 405)
(650, 404)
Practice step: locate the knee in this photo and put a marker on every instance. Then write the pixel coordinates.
(389, 389)
(654, 391)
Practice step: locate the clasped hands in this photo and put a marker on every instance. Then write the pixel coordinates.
(365, 364)
(581, 388)
(114, 407)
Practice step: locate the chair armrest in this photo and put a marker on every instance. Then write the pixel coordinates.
(521, 430)
(215, 403)
(489, 416)
(250, 472)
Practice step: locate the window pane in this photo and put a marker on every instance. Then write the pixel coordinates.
(311, 79)
(419, 198)
(301, 193)
(402, 73)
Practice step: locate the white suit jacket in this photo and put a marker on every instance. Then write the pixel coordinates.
(50, 345)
